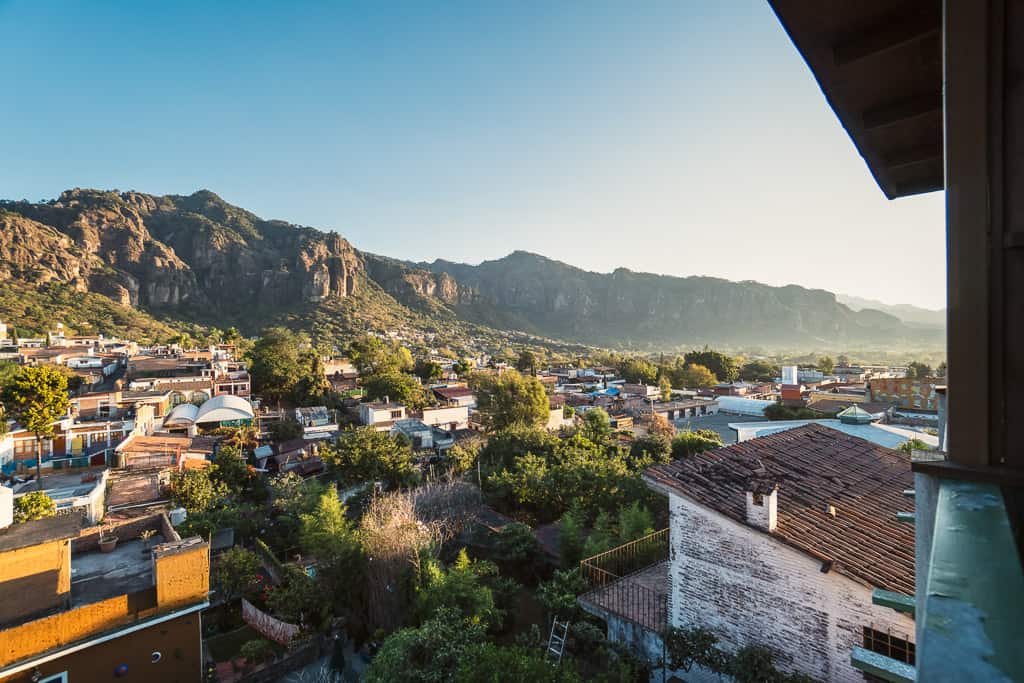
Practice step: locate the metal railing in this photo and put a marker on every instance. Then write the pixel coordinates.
(616, 563)
(620, 581)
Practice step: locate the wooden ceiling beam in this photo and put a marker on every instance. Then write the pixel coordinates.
(902, 110)
(913, 156)
(886, 35)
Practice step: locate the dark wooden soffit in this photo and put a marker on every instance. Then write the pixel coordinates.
(879, 64)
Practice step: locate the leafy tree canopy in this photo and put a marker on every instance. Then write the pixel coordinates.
(759, 371)
(723, 366)
(32, 506)
(373, 356)
(364, 454)
(511, 399)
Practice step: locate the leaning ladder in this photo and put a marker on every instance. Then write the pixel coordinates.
(556, 641)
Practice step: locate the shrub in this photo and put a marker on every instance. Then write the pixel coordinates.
(34, 505)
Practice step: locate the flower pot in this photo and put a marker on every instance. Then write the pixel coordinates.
(108, 543)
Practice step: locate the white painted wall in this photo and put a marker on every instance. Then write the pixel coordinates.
(444, 416)
(751, 589)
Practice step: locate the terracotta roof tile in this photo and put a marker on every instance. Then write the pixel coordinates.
(814, 467)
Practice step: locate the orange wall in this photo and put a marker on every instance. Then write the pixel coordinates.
(34, 579)
(178, 641)
(182, 576)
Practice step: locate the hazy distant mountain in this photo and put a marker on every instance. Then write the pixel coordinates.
(905, 312)
(117, 260)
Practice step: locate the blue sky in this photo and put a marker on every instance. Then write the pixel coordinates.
(677, 137)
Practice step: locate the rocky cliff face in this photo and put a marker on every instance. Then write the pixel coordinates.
(550, 298)
(197, 257)
(173, 252)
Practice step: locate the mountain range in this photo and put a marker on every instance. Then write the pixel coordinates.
(196, 259)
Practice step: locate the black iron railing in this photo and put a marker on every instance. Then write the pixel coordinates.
(631, 581)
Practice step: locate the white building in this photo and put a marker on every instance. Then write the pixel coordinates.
(447, 417)
(779, 542)
(381, 415)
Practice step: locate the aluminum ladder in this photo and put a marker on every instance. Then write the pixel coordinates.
(556, 641)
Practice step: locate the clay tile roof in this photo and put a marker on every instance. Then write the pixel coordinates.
(814, 467)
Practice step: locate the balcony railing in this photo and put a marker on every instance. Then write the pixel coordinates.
(630, 582)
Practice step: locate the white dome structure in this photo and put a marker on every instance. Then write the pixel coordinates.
(224, 408)
(183, 415)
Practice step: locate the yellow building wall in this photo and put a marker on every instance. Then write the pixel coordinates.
(182, 576)
(62, 629)
(34, 579)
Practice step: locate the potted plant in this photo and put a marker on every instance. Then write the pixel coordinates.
(108, 541)
(146, 536)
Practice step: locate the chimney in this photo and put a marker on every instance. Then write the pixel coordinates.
(763, 507)
(6, 507)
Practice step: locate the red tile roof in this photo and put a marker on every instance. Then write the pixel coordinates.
(814, 467)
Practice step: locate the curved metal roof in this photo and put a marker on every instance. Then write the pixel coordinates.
(183, 414)
(223, 408)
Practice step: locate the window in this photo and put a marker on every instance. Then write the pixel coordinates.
(62, 677)
(890, 644)
(396, 414)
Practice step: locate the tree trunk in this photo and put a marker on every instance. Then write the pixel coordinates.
(39, 463)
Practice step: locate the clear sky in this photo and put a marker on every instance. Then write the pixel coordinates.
(676, 137)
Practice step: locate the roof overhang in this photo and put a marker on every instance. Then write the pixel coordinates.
(879, 64)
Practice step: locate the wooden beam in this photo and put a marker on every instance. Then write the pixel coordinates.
(891, 33)
(914, 155)
(903, 110)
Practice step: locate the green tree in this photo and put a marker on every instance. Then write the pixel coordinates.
(491, 663)
(689, 442)
(428, 654)
(635, 521)
(373, 356)
(665, 387)
(298, 600)
(723, 366)
(277, 363)
(234, 572)
(510, 399)
(697, 376)
(916, 370)
(395, 386)
(603, 535)
(230, 469)
(195, 490)
(570, 538)
(940, 369)
(826, 365)
(596, 427)
(653, 449)
(34, 505)
(428, 371)
(527, 362)
(364, 454)
(462, 367)
(558, 596)
(638, 371)
(284, 430)
(759, 371)
(328, 534)
(36, 398)
(460, 588)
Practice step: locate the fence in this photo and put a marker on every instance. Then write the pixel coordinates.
(631, 581)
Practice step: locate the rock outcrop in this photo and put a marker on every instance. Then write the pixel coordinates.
(192, 253)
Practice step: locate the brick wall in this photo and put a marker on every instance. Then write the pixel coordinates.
(125, 530)
(751, 589)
